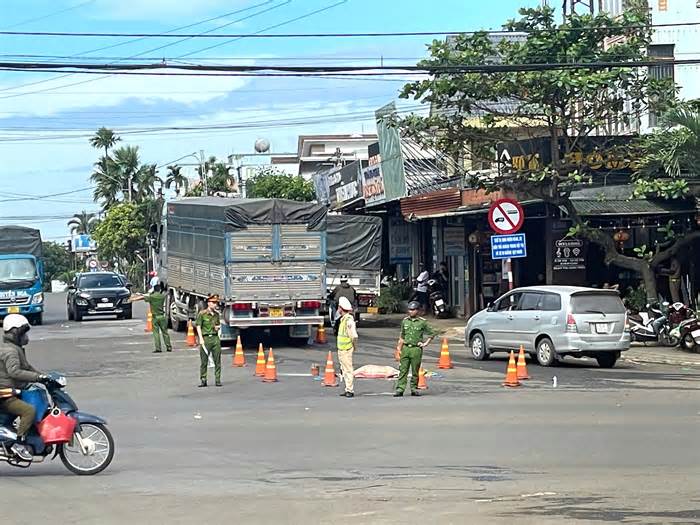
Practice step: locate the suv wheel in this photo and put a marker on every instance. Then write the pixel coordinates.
(607, 359)
(546, 356)
(78, 315)
(70, 313)
(477, 344)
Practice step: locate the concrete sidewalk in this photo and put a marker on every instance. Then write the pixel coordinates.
(453, 329)
(661, 355)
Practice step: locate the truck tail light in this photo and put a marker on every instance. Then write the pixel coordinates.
(311, 305)
(238, 307)
(571, 323)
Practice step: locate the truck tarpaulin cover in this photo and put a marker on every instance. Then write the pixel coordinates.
(354, 241)
(244, 213)
(18, 239)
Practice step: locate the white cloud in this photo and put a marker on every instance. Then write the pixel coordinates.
(111, 91)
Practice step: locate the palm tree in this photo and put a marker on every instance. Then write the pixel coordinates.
(675, 149)
(82, 223)
(104, 138)
(108, 182)
(128, 164)
(145, 181)
(177, 179)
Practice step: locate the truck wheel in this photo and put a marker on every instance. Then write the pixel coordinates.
(175, 323)
(38, 319)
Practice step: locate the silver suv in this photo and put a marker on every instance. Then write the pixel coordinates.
(551, 321)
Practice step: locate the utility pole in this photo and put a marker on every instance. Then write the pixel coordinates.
(571, 7)
(202, 173)
(129, 182)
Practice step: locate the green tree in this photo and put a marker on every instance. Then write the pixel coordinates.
(218, 179)
(176, 179)
(121, 237)
(56, 262)
(107, 181)
(472, 111)
(104, 139)
(82, 223)
(269, 183)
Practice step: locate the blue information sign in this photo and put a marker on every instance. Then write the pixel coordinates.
(508, 246)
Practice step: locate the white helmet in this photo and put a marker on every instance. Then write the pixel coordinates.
(344, 303)
(14, 321)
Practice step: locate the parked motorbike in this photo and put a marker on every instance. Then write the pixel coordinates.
(652, 325)
(688, 330)
(88, 451)
(436, 297)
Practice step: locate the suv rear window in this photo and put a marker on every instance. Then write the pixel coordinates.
(586, 303)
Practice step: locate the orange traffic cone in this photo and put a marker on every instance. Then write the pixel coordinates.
(191, 340)
(149, 321)
(260, 363)
(321, 338)
(445, 361)
(511, 372)
(238, 356)
(522, 366)
(397, 354)
(270, 369)
(329, 377)
(422, 383)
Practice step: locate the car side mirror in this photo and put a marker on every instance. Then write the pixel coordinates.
(489, 307)
(128, 286)
(71, 287)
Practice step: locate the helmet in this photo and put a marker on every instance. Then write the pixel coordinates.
(153, 274)
(344, 303)
(14, 321)
(413, 305)
(343, 278)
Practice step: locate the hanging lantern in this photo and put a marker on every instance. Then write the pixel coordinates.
(620, 237)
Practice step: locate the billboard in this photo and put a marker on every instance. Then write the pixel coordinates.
(82, 243)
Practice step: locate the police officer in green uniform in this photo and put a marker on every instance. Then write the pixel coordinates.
(411, 344)
(208, 323)
(156, 300)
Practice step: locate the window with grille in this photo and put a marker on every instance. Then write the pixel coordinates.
(661, 71)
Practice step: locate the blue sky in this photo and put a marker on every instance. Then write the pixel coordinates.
(45, 162)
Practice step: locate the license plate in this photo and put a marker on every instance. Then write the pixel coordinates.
(372, 310)
(13, 310)
(439, 302)
(105, 305)
(601, 328)
(276, 312)
(695, 334)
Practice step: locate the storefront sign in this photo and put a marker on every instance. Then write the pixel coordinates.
(568, 255)
(372, 177)
(453, 241)
(508, 246)
(599, 153)
(344, 184)
(399, 241)
(393, 174)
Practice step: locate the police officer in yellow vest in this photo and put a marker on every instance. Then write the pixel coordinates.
(411, 344)
(347, 343)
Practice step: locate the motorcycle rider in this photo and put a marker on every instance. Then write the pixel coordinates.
(16, 372)
(344, 289)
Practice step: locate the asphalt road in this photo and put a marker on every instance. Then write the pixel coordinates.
(615, 446)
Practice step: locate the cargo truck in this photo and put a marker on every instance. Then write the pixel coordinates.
(21, 273)
(265, 258)
(355, 251)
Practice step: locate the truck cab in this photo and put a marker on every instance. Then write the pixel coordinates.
(21, 287)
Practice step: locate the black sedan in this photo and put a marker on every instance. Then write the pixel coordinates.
(98, 293)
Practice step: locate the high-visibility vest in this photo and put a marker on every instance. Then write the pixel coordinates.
(343, 340)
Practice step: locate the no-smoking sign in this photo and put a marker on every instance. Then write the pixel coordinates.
(506, 216)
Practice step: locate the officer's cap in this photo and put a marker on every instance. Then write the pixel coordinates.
(213, 298)
(413, 305)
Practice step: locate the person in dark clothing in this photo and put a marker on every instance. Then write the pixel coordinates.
(344, 289)
(17, 373)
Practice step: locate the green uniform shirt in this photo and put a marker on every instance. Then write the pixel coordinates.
(157, 302)
(208, 322)
(414, 330)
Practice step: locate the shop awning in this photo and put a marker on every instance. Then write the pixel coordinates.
(618, 201)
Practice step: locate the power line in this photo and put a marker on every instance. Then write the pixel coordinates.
(361, 70)
(236, 12)
(339, 35)
(49, 15)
